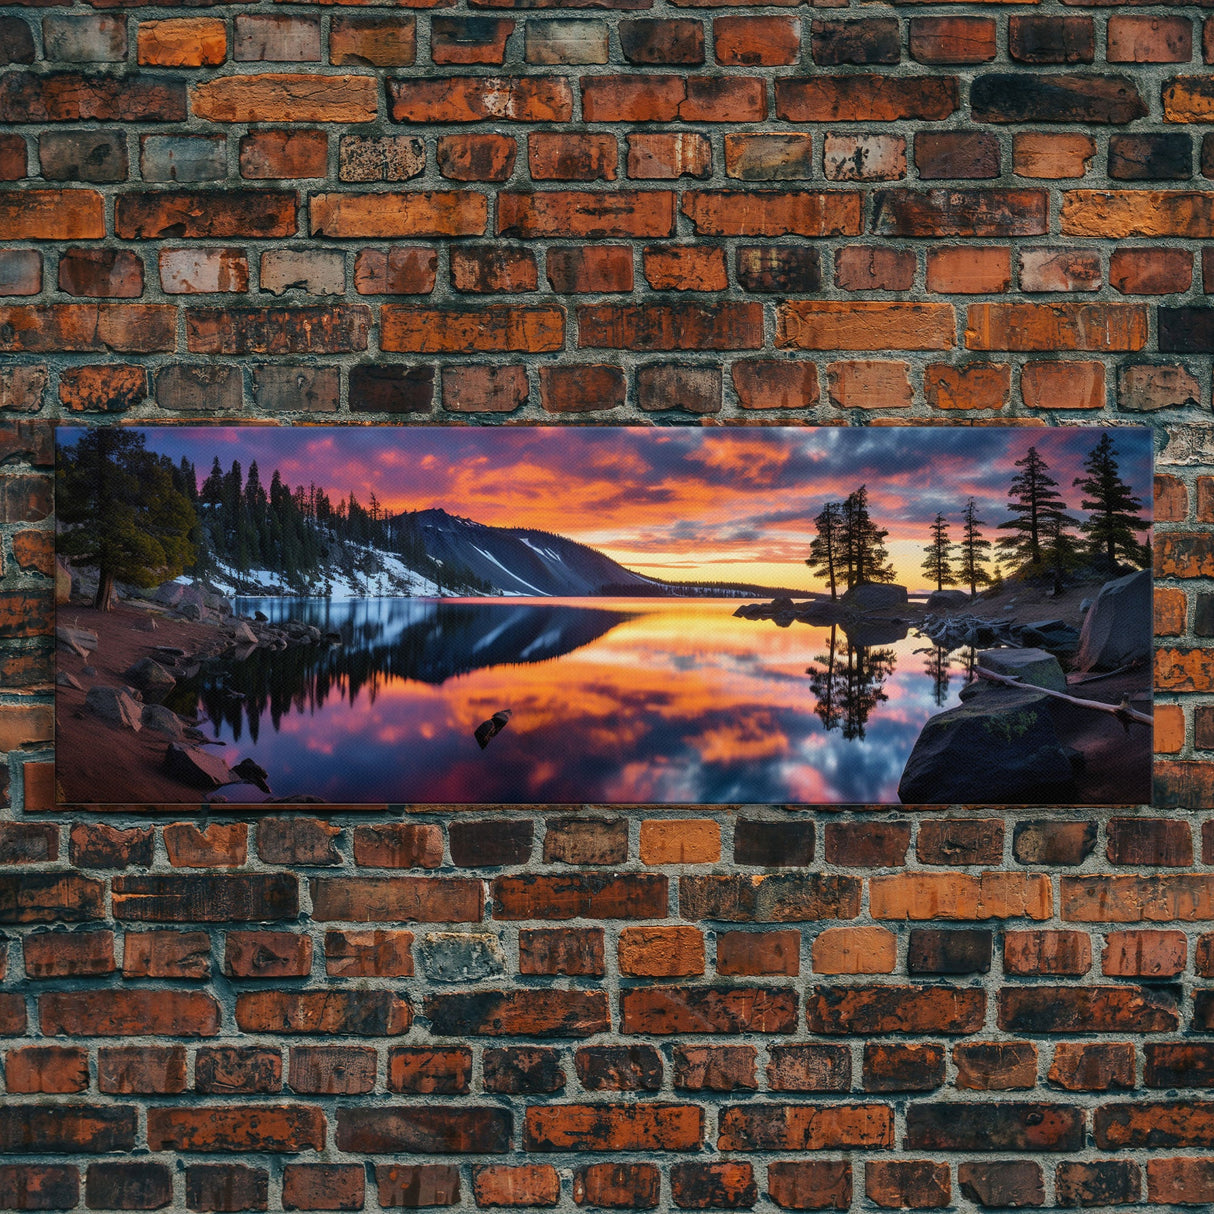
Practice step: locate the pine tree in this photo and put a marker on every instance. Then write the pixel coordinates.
(938, 565)
(974, 551)
(866, 557)
(1116, 514)
(824, 551)
(1060, 547)
(1033, 498)
(119, 510)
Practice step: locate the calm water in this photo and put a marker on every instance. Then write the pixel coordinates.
(612, 700)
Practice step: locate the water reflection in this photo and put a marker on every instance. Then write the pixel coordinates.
(610, 701)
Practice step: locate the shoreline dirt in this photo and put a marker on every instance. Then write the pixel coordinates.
(108, 763)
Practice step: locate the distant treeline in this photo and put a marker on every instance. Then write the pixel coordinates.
(706, 590)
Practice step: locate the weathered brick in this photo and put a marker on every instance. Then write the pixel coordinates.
(439, 213)
(335, 329)
(77, 97)
(863, 157)
(147, 215)
(399, 270)
(182, 42)
(666, 156)
(108, 388)
(762, 384)
(581, 388)
(283, 97)
(319, 1186)
(960, 212)
(1015, 1126)
(810, 1185)
(772, 213)
(502, 327)
(893, 1067)
(391, 388)
(567, 41)
(1101, 1182)
(804, 1127)
(283, 154)
(391, 1130)
(939, 40)
(894, 1009)
(476, 157)
(864, 97)
(226, 1187)
(899, 1184)
(1062, 326)
(617, 1185)
(479, 98)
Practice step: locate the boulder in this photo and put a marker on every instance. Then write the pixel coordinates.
(63, 582)
(149, 676)
(875, 596)
(1054, 635)
(242, 634)
(77, 640)
(253, 773)
(196, 767)
(63, 679)
(866, 633)
(1118, 628)
(114, 705)
(948, 599)
(163, 720)
(999, 748)
(1033, 666)
(191, 611)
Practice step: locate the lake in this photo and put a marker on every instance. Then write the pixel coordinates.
(611, 701)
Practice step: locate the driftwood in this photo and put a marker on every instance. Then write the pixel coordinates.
(1123, 712)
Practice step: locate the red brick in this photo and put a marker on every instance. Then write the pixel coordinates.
(713, 1186)
(400, 270)
(956, 154)
(865, 325)
(516, 1013)
(968, 270)
(220, 844)
(666, 156)
(318, 1186)
(656, 42)
(182, 42)
(810, 1185)
(775, 385)
(894, 1009)
(284, 154)
(109, 388)
(590, 270)
(1051, 156)
(401, 1129)
(501, 327)
(264, 954)
(378, 41)
(620, 213)
(1149, 841)
(229, 1069)
(867, 844)
(417, 1185)
(126, 328)
(809, 1068)
(430, 1071)
(855, 950)
(498, 1185)
(166, 954)
(865, 97)
(1151, 271)
(804, 1127)
(399, 845)
(1063, 385)
(874, 268)
(617, 1185)
(486, 269)
(772, 213)
(1051, 39)
(576, 951)
(437, 213)
(370, 1013)
(679, 326)
(970, 212)
(558, 156)
(143, 215)
(903, 1068)
(756, 41)
(332, 1070)
(484, 389)
(863, 157)
(714, 1068)
(1093, 1066)
(1137, 954)
(246, 1127)
(685, 268)
(974, 386)
(476, 157)
(1149, 39)
(121, 1013)
(1062, 326)
(995, 1066)
(80, 97)
(226, 1187)
(480, 98)
(364, 954)
(952, 39)
(285, 97)
(98, 845)
(700, 1009)
(960, 841)
(613, 1127)
(335, 329)
(581, 388)
(469, 39)
(158, 1070)
(1058, 1009)
(901, 1184)
(661, 952)
(1180, 1181)
(48, 1068)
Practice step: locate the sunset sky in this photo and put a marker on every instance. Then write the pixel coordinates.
(731, 504)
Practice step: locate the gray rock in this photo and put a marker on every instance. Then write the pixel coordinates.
(163, 720)
(1085, 606)
(77, 640)
(999, 748)
(1033, 666)
(1118, 628)
(948, 598)
(462, 956)
(191, 611)
(149, 676)
(243, 634)
(875, 596)
(196, 767)
(63, 679)
(114, 705)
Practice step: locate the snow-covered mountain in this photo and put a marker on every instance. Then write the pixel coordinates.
(520, 562)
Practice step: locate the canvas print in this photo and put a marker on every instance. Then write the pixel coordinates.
(502, 615)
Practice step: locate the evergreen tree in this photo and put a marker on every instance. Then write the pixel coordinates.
(212, 487)
(974, 551)
(119, 510)
(1115, 513)
(1033, 498)
(938, 565)
(1060, 547)
(824, 551)
(865, 555)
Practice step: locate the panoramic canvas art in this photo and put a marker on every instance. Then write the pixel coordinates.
(361, 615)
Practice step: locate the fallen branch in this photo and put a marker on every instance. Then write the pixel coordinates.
(1123, 712)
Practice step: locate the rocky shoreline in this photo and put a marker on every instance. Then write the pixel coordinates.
(116, 670)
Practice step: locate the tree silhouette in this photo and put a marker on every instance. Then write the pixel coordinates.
(1060, 547)
(824, 551)
(974, 551)
(120, 510)
(938, 565)
(866, 558)
(1116, 514)
(850, 685)
(1033, 498)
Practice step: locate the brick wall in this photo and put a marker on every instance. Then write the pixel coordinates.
(628, 212)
